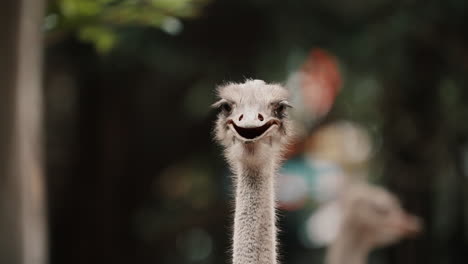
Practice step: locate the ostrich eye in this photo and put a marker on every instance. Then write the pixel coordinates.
(279, 109)
(226, 108)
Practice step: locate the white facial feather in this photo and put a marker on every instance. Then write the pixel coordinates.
(253, 93)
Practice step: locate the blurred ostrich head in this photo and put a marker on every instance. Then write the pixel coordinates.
(377, 216)
(252, 123)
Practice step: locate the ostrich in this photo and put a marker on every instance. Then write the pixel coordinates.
(253, 128)
(372, 218)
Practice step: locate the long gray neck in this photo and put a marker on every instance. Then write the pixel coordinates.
(348, 248)
(254, 222)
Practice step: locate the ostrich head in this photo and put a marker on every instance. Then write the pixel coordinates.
(377, 217)
(252, 123)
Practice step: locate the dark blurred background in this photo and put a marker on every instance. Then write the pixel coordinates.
(132, 172)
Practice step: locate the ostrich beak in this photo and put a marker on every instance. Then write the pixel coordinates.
(252, 133)
(407, 225)
(412, 226)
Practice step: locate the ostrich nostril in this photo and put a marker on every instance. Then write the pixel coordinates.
(260, 117)
(240, 117)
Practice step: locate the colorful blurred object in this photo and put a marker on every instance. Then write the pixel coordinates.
(315, 86)
(320, 81)
(344, 143)
(333, 157)
(304, 179)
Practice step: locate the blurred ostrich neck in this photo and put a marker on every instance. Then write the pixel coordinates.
(348, 247)
(254, 222)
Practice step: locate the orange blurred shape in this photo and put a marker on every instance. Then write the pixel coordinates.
(320, 81)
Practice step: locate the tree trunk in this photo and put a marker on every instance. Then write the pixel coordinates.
(22, 217)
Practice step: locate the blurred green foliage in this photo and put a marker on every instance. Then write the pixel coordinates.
(99, 21)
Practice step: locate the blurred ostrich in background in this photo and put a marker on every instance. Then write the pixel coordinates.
(372, 218)
(356, 217)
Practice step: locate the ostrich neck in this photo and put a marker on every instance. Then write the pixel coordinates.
(254, 222)
(348, 248)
